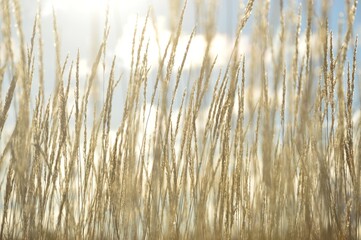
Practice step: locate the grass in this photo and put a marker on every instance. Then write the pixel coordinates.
(211, 161)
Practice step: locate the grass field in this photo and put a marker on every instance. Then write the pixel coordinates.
(265, 145)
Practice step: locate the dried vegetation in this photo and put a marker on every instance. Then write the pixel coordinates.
(218, 163)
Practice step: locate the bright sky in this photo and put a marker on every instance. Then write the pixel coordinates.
(81, 22)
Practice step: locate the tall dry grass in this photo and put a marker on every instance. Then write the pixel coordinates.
(284, 165)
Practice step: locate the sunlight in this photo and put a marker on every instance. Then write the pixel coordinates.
(93, 6)
(176, 119)
(80, 6)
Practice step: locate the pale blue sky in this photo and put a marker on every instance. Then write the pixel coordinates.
(80, 24)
